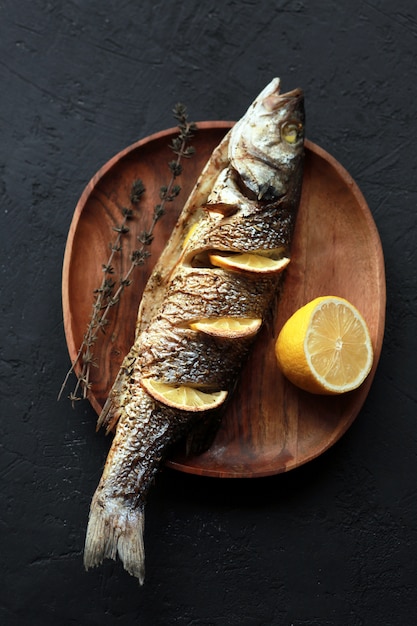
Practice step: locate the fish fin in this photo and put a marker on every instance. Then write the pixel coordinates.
(111, 410)
(200, 438)
(115, 530)
(270, 320)
(109, 415)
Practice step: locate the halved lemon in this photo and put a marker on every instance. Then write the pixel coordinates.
(249, 262)
(230, 327)
(325, 347)
(183, 397)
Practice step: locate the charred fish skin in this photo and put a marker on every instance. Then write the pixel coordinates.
(245, 201)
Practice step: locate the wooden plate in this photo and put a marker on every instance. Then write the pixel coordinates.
(270, 426)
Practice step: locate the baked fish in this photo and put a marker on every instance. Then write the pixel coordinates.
(202, 308)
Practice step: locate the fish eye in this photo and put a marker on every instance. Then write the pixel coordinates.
(290, 132)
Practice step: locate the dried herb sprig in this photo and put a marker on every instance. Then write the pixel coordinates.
(104, 299)
(106, 296)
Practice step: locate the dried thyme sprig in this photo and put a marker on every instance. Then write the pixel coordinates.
(105, 296)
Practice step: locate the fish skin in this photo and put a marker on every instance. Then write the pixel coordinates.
(250, 208)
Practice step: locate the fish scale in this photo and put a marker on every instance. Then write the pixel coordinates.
(205, 292)
(245, 200)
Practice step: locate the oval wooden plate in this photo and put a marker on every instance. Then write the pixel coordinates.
(270, 426)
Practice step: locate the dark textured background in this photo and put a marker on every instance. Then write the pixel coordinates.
(333, 543)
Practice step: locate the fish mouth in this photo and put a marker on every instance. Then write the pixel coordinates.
(294, 93)
(276, 100)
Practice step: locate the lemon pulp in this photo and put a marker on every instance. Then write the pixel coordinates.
(252, 262)
(183, 397)
(232, 327)
(325, 346)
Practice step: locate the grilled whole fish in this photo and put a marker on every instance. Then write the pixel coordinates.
(244, 203)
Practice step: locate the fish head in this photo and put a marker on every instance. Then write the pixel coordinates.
(266, 146)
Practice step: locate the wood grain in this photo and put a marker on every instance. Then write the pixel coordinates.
(269, 426)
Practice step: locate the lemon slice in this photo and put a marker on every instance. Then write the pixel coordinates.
(249, 262)
(189, 234)
(183, 397)
(230, 327)
(325, 347)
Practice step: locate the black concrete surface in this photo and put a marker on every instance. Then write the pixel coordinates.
(333, 543)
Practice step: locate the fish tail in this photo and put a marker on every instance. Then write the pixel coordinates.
(114, 529)
(116, 521)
